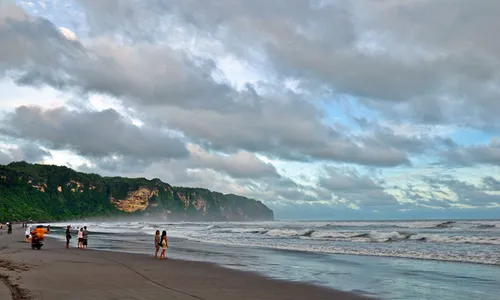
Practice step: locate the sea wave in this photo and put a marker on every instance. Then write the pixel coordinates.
(382, 236)
(438, 232)
(468, 241)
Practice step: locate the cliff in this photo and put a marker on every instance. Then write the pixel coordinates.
(48, 192)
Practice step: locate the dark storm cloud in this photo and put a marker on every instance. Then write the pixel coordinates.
(354, 187)
(93, 134)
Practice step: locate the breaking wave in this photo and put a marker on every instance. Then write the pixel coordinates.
(469, 241)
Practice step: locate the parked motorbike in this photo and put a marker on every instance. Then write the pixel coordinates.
(36, 243)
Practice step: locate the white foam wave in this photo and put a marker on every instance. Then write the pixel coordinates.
(395, 236)
(477, 258)
(289, 232)
(438, 240)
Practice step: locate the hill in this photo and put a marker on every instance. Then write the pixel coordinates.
(51, 193)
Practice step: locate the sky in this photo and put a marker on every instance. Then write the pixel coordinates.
(352, 109)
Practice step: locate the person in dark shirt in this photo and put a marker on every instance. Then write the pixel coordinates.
(68, 236)
(85, 237)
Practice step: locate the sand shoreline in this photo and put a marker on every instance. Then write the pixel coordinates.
(59, 273)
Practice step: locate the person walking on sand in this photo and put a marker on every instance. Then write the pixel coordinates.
(68, 236)
(157, 243)
(85, 235)
(80, 238)
(164, 244)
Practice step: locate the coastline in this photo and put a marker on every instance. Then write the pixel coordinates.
(58, 273)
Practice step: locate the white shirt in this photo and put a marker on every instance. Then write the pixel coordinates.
(80, 234)
(28, 231)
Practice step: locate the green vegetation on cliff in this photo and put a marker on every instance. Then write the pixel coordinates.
(48, 192)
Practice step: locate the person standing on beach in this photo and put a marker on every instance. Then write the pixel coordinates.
(80, 238)
(28, 234)
(68, 236)
(85, 235)
(157, 243)
(164, 244)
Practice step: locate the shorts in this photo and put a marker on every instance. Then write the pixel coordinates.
(80, 240)
(85, 242)
(27, 236)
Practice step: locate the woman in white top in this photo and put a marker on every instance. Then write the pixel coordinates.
(80, 238)
(28, 234)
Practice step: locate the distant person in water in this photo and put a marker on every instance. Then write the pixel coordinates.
(68, 236)
(80, 238)
(164, 244)
(85, 234)
(157, 243)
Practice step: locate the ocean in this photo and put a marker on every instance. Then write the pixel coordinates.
(445, 260)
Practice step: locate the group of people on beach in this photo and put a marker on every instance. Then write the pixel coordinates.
(39, 232)
(83, 235)
(161, 242)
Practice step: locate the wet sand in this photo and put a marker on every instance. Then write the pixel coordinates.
(55, 273)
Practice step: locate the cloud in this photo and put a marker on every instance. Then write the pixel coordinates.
(285, 130)
(24, 152)
(339, 91)
(439, 70)
(39, 53)
(285, 191)
(30, 153)
(405, 137)
(349, 185)
(433, 196)
(464, 192)
(179, 91)
(70, 35)
(468, 156)
(91, 134)
(491, 184)
(242, 164)
(5, 158)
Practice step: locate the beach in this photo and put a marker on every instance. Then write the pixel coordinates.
(58, 273)
(391, 260)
